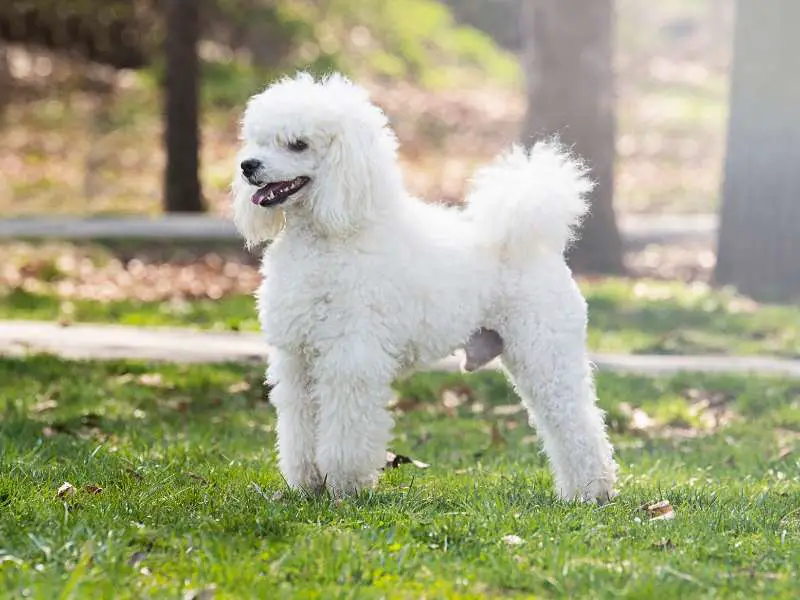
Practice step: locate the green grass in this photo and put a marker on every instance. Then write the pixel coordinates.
(624, 316)
(674, 318)
(183, 456)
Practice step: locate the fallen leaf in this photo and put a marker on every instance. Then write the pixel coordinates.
(405, 404)
(239, 387)
(660, 511)
(178, 404)
(641, 421)
(136, 558)
(664, 545)
(506, 410)
(197, 477)
(497, 438)
(393, 461)
(66, 490)
(90, 420)
(477, 408)
(783, 453)
(513, 540)
(207, 593)
(44, 405)
(49, 431)
(150, 379)
(451, 401)
(93, 489)
(135, 474)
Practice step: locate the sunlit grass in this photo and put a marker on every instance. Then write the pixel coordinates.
(191, 498)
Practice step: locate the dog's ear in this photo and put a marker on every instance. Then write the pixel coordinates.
(255, 223)
(348, 181)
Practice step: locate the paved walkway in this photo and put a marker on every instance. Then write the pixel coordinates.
(83, 341)
(636, 230)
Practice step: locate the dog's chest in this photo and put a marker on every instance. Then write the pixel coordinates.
(299, 301)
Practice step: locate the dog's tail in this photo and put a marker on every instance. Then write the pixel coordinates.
(530, 201)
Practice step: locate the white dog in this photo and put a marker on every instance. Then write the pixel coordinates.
(363, 282)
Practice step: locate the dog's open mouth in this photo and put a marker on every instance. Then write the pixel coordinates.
(276, 192)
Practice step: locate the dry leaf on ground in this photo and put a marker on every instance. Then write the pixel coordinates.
(43, 406)
(206, 593)
(404, 404)
(239, 387)
(136, 558)
(507, 410)
(196, 477)
(638, 420)
(150, 379)
(66, 490)
(393, 461)
(660, 511)
(497, 438)
(513, 540)
(133, 473)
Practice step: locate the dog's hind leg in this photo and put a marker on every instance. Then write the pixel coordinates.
(545, 359)
(297, 420)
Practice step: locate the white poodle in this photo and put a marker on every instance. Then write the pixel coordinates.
(362, 283)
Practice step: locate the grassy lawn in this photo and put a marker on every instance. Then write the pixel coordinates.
(191, 498)
(625, 316)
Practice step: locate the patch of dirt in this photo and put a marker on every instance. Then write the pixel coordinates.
(84, 272)
(76, 272)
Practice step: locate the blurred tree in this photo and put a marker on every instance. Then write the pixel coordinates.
(498, 18)
(181, 99)
(104, 31)
(569, 67)
(6, 81)
(759, 238)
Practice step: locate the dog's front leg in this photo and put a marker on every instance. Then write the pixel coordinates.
(354, 424)
(297, 420)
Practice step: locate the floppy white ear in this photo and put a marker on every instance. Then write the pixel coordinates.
(349, 180)
(255, 223)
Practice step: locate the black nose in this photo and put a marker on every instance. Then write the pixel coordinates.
(250, 166)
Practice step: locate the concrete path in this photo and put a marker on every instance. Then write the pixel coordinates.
(188, 346)
(637, 231)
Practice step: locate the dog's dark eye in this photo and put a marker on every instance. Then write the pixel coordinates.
(297, 145)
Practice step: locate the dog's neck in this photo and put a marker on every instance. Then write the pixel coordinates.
(301, 224)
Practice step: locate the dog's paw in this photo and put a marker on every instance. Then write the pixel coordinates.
(348, 486)
(600, 491)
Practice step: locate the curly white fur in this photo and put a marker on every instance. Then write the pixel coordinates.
(363, 282)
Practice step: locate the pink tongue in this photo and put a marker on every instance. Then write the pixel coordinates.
(261, 193)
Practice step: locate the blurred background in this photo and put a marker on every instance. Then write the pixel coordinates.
(687, 110)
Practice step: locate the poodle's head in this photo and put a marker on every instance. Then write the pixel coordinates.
(317, 151)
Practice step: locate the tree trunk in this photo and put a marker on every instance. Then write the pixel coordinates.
(569, 68)
(181, 86)
(6, 82)
(759, 239)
